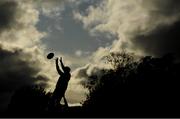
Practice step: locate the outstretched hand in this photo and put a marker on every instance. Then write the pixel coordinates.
(60, 59)
(57, 58)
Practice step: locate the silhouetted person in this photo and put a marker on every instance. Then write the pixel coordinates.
(62, 83)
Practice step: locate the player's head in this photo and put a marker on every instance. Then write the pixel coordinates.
(67, 69)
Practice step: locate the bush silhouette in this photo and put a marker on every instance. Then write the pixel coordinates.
(145, 87)
(34, 101)
(29, 100)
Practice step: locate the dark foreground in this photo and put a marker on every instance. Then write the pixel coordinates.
(147, 88)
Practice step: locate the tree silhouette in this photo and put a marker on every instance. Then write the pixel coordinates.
(136, 88)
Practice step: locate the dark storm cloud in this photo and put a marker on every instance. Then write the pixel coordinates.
(162, 40)
(7, 13)
(16, 72)
(19, 65)
(163, 7)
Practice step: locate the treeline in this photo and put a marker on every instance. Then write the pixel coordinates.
(135, 87)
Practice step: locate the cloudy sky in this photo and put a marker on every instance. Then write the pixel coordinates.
(81, 31)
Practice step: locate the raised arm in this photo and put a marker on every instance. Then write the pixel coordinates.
(57, 67)
(62, 65)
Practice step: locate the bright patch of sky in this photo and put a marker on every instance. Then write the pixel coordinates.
(66, 35)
